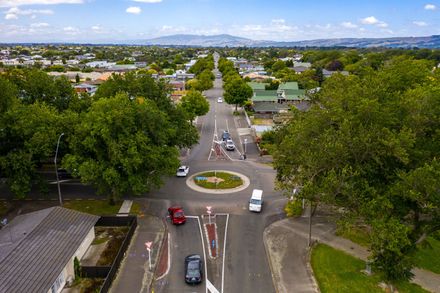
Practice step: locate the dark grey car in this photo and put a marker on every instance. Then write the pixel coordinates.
(193, 269)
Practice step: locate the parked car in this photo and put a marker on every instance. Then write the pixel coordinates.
(182, 171)
(177, 215)
(193, 269)
(220, 100)
(226, 135)
(64, 174)
(230, 146)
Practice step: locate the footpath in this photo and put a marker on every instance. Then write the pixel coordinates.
(286, 243)
(134, 274)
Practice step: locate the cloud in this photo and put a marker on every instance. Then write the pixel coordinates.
(14, 12)
(148, 1)
(278, 21)
(10, 16)
(16, 3)
(133, 9)
(420, 23)
(430, 7)
(348, 24)
(371, 20)
(70, 30)
(39, 25)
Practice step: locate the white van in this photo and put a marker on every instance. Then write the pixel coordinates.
(256, 201)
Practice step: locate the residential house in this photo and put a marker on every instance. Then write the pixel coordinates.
(37, 250)
(327, 73)
(85, 88)
(190, 64)
(276, 101)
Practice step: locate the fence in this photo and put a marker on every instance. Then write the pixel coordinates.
(109, 272)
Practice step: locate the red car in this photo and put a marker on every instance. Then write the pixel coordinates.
(177, 215)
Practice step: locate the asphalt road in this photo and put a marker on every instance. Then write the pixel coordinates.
(246, 267)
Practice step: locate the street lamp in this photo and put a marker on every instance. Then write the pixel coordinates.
(56, 170)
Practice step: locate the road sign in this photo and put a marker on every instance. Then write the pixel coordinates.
(211, 287)
(148, 245)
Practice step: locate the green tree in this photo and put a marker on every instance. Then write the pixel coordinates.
(195, 104)
(237, 92)
(369, 144)
(123, 146)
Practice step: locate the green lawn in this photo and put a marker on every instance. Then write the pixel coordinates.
(337, 271)
(98, 207)
(356, 234)
(230, 180)
(428, 257)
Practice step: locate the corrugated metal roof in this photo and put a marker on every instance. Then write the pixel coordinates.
(39, 258)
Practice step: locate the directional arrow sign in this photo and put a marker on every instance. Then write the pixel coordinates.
(211, 287)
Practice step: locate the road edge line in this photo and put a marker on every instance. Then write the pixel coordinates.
(204, 252)
(224, 251)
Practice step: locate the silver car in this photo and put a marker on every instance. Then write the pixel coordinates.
(230, 146)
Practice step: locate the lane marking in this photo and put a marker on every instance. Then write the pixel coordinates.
(204, 253)
(224, 252)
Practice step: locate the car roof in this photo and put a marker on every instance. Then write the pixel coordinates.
(175, 209)
(183, 167)
(193, 257)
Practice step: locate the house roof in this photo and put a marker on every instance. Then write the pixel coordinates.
(293, 85)
(270, 107)
(257, 85)
(265, 96)
(41, 245)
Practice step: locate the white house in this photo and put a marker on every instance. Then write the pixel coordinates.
(37, 250)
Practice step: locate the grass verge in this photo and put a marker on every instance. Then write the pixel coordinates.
(230, 180)
(94, 207)
(337, 271)
(99, 207)
(427, 256)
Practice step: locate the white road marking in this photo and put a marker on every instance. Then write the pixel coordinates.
(224, 252)
(204, 252)
(169, 259)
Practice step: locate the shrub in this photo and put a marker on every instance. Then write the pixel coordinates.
(293, 208)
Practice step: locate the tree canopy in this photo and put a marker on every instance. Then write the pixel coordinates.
(371, 145)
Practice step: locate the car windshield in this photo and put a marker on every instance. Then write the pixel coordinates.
(178, 214)
(181, 169)
(193, 269)
(255, 201)
(230, 143)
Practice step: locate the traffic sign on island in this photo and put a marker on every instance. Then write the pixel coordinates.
(211, 287)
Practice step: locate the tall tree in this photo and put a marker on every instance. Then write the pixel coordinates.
(237, 92)
(124, 146)
(195, 104)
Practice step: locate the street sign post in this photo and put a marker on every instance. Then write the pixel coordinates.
(148, 246)
(208, 210)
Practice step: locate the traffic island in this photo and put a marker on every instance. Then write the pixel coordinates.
(211, 235)
(218, 182)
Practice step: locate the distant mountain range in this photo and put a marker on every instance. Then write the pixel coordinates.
(232, 41)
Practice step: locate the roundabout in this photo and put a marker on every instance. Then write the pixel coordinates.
(218, 182)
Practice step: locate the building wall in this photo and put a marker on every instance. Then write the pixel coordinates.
(68, 271)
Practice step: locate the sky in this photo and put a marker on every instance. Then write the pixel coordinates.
(277, 20)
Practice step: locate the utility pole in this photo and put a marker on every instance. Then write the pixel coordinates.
(56, 170)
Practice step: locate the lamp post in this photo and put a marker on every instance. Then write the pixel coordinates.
(56, 170)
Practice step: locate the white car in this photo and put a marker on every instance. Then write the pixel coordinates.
(182, 171)
(230, 146)
(220, 100)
